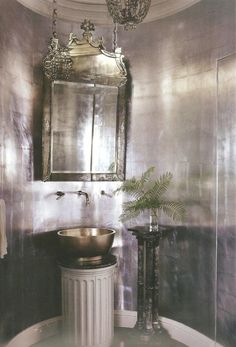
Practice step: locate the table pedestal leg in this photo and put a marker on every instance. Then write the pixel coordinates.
(140, 289)
(149, 287)
(148, 320)
(156, 266)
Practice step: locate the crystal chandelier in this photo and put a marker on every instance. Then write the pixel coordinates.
(128, 12)
(58, 63)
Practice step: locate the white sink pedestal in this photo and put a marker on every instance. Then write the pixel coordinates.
(88, 303)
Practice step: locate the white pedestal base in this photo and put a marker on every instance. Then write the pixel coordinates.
(88, 306)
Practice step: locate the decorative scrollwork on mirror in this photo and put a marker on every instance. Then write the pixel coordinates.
(85, 116)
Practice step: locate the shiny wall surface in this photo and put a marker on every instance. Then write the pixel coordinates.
(28, 277)
(172, 125)
(226, 299)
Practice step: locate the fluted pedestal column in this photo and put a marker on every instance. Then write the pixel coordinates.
(88, 304)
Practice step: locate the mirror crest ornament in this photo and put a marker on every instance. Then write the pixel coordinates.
(85, 116)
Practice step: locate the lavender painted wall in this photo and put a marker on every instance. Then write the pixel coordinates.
(172, 125)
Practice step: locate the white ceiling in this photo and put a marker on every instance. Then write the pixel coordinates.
(96, 10)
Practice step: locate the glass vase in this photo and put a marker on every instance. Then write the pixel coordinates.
(153, 221)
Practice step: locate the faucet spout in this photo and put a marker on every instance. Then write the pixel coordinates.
(80, 192)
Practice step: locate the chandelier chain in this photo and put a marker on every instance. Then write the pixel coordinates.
(58, 63)
(115, 30)
(54, 18)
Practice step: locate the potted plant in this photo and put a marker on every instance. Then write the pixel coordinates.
(147, 193)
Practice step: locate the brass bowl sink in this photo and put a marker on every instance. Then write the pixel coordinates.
(86, 243)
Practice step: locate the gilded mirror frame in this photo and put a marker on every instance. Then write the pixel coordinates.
(91, 64)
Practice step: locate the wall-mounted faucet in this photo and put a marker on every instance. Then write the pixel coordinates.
(80, 192)
(60, 194)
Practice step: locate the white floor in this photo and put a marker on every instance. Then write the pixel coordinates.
(126, 319)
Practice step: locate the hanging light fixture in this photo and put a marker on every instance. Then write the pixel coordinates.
(58, 63)
(128, 12)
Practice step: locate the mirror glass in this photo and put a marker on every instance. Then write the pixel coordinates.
(83, 127)
(84, 117)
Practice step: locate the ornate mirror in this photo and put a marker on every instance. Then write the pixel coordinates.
(84, 116)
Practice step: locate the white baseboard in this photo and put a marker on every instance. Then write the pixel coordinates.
(187, 335)
(125, 319)
(178, 331)
(37, 333)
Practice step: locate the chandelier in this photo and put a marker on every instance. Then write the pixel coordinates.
(58, 63)
(128, 12)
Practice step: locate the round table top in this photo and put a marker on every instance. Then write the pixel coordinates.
(143, 232)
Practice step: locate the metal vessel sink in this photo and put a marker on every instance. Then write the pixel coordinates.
(86, 243)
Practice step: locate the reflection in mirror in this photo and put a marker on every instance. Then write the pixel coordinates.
(83, 127)
(104, 131)
(72, 121)
(84, 118)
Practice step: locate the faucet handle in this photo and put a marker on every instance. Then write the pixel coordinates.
(106, 194)
(59, 194)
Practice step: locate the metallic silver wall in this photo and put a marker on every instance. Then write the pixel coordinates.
(175, 126)
(172, 125)
(226, 299)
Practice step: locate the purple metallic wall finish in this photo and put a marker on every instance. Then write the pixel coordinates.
(226, 299)
(172, 125)
(27, 276)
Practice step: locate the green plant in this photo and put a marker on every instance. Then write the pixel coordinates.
(148, 194)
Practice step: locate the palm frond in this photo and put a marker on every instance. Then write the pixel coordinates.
(135, 187)
(146, 175)
(173, 209)
(131, 208)
(126, 215)
(147, 194)
(138, 206)
(160, 186)
(127, 186)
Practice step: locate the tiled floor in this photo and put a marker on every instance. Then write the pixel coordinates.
(124, 337)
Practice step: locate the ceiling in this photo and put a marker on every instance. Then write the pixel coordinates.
(96, 10)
